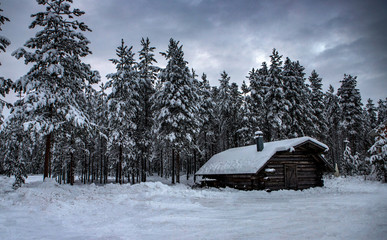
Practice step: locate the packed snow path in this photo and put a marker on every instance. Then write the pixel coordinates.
(344, 209)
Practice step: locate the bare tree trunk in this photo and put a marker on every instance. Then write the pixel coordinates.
(101, 158)
(92, 168)
(178, 167)
(173, 166)
(188, 168)
(47, 155)
(194, 173)
(72, 169)
(161, 163)
(120, 166)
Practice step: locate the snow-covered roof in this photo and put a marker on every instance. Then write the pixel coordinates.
(247, 159)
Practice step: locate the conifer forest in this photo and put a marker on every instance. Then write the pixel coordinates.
(148, 119)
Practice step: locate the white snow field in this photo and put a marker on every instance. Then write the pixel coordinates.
(346, 208)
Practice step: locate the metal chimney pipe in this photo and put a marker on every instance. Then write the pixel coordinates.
(259, 140)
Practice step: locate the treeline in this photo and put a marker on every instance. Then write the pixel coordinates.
(149, 120)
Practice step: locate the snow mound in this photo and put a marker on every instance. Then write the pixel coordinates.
(154, 210)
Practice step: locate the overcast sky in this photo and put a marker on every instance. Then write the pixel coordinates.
(333, 37)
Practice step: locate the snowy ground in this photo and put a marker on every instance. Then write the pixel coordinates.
(344, 209)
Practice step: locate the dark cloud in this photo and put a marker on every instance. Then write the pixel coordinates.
(333, 37)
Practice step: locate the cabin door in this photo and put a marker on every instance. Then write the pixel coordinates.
(291, 181)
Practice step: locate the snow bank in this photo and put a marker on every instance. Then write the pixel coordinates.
(346, 208)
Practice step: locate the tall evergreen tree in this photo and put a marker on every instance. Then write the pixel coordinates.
(147, 78)
(5, 84)
(298, 117)
(235, 115)
(54, 86)
(258, 89)
(378, 152)
(371, 112)
(382, 111)
(223, 110)
(176, 116)
(275, 99)
(334, 137)
(123, 107)
(246, 126)
(317, 101)
(4, 42)
(352, 118)
(207, 113)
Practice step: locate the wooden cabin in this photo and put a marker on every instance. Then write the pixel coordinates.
(288, 164)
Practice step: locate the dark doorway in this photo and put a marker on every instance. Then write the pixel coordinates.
(291, 181)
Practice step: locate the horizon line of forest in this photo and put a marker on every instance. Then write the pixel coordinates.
(166, 120)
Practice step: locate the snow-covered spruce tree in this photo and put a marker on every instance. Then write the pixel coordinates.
(350, 162)
(236, 119)
(378, 152)
(192, 150)
(334, 137)
(246, 127)
(206, 113)
(147, 78)
(4, 42)
(15, 149)
(318, 107)
(223, 111)
(298, 120)
(102, 123)
(352, 117)
(206, 138)
(175, 118)
(370, 123)
(277, 107)
(382, 111)
(54, 86)
(371, 111)
(123, 105)
(5, 84)
(258, 110)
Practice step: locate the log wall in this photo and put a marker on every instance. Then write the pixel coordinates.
(308, 174)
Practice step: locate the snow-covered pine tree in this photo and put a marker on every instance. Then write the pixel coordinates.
(4, 42)
(236, 116)
(334, 137)
(317, 101)
(371, 111)
(370, 123)
(54, 86)
(147, 78)
(275, 99)
(352, 112)
(207, 105)
(193, 148)
(175, 118)
(102, 123)
(246, 128)
(258, 88)
(378, 152)
(223, 110)
(123, 105)
(298, 117)
(5, 84)
(350, 162)
(15, 150)
(382, 111)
